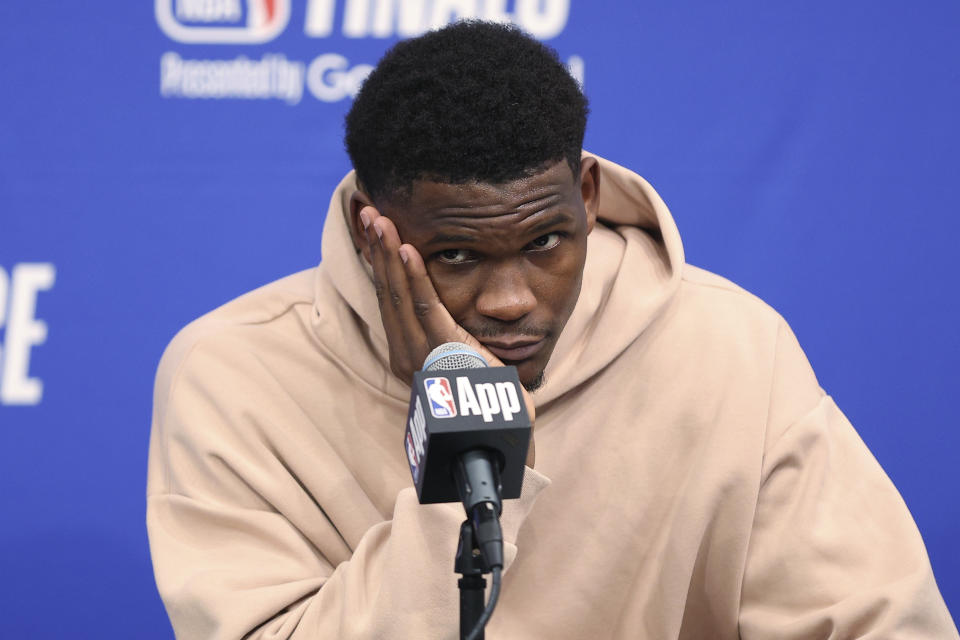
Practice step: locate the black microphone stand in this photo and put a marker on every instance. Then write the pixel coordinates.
(470, 564)
(480, 550)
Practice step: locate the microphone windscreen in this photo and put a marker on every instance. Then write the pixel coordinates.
(454, 355)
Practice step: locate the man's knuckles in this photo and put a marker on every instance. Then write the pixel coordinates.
(379, 290)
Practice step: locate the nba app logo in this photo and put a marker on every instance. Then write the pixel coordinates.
(222, 21)
(441, 398)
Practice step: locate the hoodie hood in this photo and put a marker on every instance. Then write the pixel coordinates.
(633, 269)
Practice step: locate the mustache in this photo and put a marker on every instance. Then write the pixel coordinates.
(496, 330)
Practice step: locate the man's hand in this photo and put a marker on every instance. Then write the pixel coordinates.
(413, 316)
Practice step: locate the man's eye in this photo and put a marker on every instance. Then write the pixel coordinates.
(545, 242)
(453, 256)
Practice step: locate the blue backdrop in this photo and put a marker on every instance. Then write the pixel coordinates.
(158, 159)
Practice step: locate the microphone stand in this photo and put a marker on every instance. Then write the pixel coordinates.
(480, 550)
(470, 564)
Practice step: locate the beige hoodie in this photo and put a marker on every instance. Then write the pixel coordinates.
(692, 481)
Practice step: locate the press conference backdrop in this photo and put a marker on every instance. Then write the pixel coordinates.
(160, 158)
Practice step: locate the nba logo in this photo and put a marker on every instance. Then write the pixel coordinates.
(222, 21)
(440, 397)
(413, 458)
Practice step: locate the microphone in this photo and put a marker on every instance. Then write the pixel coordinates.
(466, 438)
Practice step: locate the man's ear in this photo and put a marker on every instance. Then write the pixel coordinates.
(590, 189)
(359, 200)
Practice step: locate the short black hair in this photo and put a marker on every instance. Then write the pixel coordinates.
(474, 101)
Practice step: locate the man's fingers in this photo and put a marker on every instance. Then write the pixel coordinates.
(395, 278)
(368, 216)
(373, 223)
(438, 325)
(411, 335)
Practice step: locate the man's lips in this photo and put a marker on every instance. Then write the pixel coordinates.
(514, 350)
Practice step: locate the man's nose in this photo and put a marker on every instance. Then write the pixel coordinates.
(506, 294)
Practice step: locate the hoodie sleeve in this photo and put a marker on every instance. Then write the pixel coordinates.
(242, 548)
(834, 553)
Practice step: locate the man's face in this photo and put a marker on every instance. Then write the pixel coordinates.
(506, 260)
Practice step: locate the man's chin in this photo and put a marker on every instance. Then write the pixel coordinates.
(531, 371)
(535, 383)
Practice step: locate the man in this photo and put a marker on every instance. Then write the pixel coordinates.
(690, 479)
